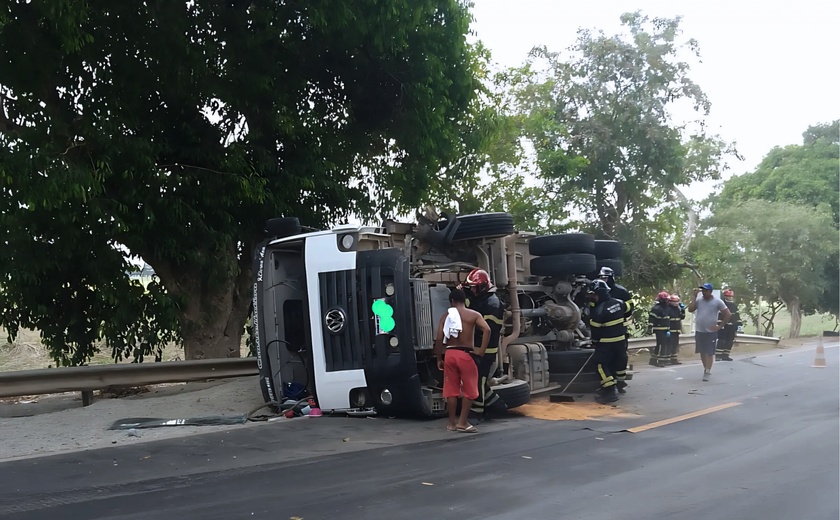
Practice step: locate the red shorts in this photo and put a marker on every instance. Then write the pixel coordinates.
(460, 373)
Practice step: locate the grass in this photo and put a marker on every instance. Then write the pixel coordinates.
(28, 353)
(813, 325)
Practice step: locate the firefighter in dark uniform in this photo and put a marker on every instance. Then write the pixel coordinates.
(659, 319)
(482, 298)
(619, 292)
(609, 337)
(726, 335)
(677, 314)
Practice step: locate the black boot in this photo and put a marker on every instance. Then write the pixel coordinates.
(718, 357)
(675, 361)
(726, 357)
(621, 385)
(606, 395)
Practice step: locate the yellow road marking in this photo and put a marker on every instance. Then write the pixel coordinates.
(691, 415)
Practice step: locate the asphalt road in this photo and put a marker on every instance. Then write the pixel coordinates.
(771, 454)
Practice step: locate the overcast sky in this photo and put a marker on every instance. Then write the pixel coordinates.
(769, 69)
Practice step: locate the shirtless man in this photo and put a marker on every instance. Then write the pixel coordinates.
(460, 372)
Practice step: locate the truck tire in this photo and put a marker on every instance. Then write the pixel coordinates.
(569, 361)
(562, 265)
(481, 225)
(514, 394)
(562, 244)
(607, 249)
(282, 227)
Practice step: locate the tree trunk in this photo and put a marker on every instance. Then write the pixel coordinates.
(795, 311)
(691, 221)
(212, 314)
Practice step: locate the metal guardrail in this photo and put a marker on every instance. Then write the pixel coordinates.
(99, 377)
(90, 378)
(688, 339)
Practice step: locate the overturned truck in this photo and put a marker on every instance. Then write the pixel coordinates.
(350, 315)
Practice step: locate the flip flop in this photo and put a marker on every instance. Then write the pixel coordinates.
(468, 429)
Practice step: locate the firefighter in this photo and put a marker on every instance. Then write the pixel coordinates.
(726, 335)
(659, 319)
(609, 337)
(619, 292)
(677, 314)
(482, 298)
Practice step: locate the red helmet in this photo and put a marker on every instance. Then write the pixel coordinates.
(663, 296)
(728, 293)
(675, 298)
(479, 279)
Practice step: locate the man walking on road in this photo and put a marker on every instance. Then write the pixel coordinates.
(706, 309)
(726, 336)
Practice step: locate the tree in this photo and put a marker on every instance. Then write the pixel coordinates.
(606, 144)
(489, 175)
(806, 174)
(780, 248)
(172, 131)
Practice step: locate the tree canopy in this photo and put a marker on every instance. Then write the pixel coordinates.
(801, 174)
(806, 174)
(172, 131)
(610, 158)
(775, 250)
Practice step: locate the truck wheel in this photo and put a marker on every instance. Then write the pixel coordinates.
(607, 249)
(514, 394)
(562, 265)
(282, 227)
(562, 244)
(482, 225)
(569, 361)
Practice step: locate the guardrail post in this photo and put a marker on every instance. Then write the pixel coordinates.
(87, 397)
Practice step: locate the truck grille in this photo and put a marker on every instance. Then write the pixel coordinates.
(339, 321)
(424, 331)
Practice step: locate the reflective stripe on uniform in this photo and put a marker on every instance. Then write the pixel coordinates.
(607, 324)
(612, 340)
(660, 328)
(494, 319)
(605, 379)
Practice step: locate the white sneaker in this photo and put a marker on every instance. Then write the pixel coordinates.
(706, 375)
